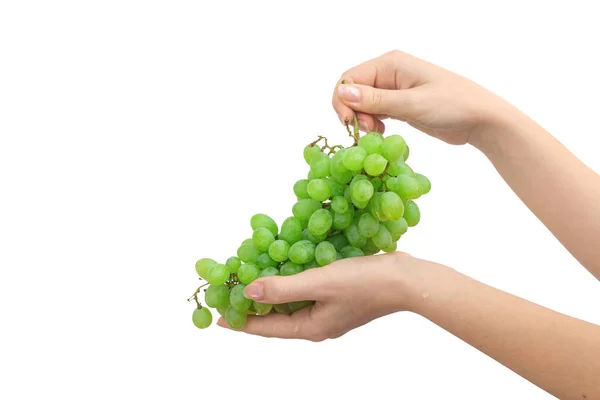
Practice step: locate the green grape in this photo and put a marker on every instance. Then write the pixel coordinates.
(406, 153)
(310, 176)
(310, 265)
(237, 300)
(372, 142)
(375, 207)
(248, 241)
(337, 189)
(368, 225)
(424, 182)
(396, 228)
(354, 158)
(337, 162)
(338, 256)
(341, 177)
(217, 296)
(320, 222)
(338, 241)
(217, 274)
(339, 204)
(391, 205)
(265, 261)
(310, 152)
(351, 251)
(319, 189)
(223, 310)
(302, 252)
(319, 165)
(362, 191)
(407, 187)
(353, 235)
(235, 319)
(300, 189)
(306, 235)
(391, 248)
(202, 317)
(304, 208)
(247, 273)
(383, 237)
(342, 221)
(269, 271)
(263, 221)
(278, 250)
(412, 214)
(358, 177)
(369, 248)
(282, 308)
(393, 147)
(376, 182)
(375, 164)
(291, 231)
(290, 268)
(233, 264)
(303, 223)
(296, 306)
(262, 308)
(248, 253)
(202, 266)
(325, 253)
(399, 167)
(262, 238)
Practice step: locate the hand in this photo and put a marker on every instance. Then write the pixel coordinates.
(349, 293)
(429, 98)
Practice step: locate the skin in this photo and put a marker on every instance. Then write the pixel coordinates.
(558, 353)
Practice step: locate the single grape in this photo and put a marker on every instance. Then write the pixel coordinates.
(265, 261)
(375, 164)
(263, 221)
(392, 206)
(424, 182)
(406, 153)
(202, 266)
(393, 147)
(338, 241)
(237, 300)
(351, 251)
(353, 235)
(354, 158)
(278, 250)
(372, 142)
(341, 177)
(375, 207)
(235, 319)
(233, 264)
(369, 248)
(248, 253)
(310, 265)
(262, 308)
(319, 189)
(310, 176)
(325, 253)
(342, 221)
(217, 296)
(320, 222)
(368, 225)
(362, 191)
(382, 238)
(262, 238)
(269, 271)
(407, 187)
(310, 151)
(319, 165)
(290, 268)
(399, 167)
(247, 273)
(282, 308)
(306, 235)
(339, 204)
(296, 306)
(396, 228)
(217, 274)
(391, 248)
(302, 252)
(412, 214)
(304, 208)
(202, 317)
(248, 241)
(337, 189)
(291, 231)
(300, 189)
(337, 162)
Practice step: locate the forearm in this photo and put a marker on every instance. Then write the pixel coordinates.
(558, 353)
(556, 186)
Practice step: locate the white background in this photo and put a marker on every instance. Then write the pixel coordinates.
(139, 136)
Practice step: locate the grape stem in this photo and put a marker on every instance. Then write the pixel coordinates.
(195, 296)
(332, 149)
(356, 134)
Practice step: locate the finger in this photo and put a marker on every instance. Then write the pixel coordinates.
(405, 104)
(345, 113)
(307, 285)
(369, 123)
(296, 326)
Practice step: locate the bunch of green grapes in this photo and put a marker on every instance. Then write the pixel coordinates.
(356, 201)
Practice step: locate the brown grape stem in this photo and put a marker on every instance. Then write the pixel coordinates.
(356, 134)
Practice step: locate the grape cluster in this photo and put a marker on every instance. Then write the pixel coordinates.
(355, 201)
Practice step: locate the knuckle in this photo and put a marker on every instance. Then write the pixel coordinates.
(376, 97)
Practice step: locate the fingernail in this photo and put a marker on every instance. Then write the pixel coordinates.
(363, 125)
(349, 92)
(254, 291)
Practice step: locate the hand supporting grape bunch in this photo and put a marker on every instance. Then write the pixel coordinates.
(356, 201)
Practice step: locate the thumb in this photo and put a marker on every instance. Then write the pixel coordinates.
(402, 103)
(307, 285)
